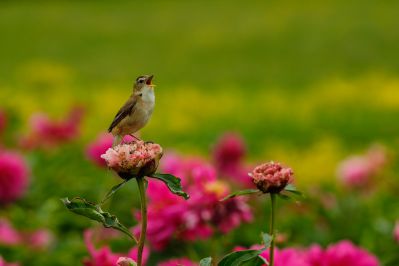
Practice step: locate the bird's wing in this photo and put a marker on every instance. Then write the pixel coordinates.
(127, 109)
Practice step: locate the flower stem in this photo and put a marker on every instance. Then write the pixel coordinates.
(272, 231)
(143, 200)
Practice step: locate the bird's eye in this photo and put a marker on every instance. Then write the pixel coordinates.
(140, 94)
(141, 80)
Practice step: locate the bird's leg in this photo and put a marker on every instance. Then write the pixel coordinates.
(117, 140)
(135, 137)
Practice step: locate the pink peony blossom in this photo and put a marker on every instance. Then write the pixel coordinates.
(271, 177)
(8, 235)
(132, 159)
(14, 176)
(124, 261)
(178, 262)
(46, 133)
(171, 217)
(396, 231)
(4, 263)
(104, 256)
(100, 145)
(357, 171)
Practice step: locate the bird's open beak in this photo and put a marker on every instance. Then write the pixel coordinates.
(149, 81)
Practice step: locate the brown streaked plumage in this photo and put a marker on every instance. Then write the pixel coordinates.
(137, 110)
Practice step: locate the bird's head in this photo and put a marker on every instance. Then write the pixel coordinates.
(143, 82)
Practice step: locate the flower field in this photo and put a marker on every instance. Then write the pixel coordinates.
(274, 134)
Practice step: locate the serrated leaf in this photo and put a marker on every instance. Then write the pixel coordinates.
(244, 257)
(113, 190)
(241, 193)
(206, 262)
(267, 240)
(292, 189)
(92, 211)
(173, 183)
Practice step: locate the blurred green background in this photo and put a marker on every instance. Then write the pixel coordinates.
(305, 82)
(290, 76)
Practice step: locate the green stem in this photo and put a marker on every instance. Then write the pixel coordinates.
(143, 200)
(272, 231)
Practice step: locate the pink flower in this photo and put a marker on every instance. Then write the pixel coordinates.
(132, 159)
(271, 177)
(178, 262)
(344, 253)
(104, 256)
(228, 159)
(100, 145)
(14, 176)
(8, 235)
(124, 261)
(357, 171)
(354, 171)
(4, 263)
(228, 152)
(396, 231)
(171, 217)
(40, 239)
(46, 133)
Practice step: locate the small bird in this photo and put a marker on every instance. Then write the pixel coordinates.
(137, 110)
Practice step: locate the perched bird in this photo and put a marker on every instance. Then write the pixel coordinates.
(136, 112)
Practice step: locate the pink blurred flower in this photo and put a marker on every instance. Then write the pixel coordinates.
(396, 231)
(170, 216)
(356, 171)
(135, 158)
(178, 262)
(271, 177)
(100, 145)
(104, 256)
(8, 235)
(40, 239)
(124, 261)
(228, 159)
(46, 133)
(4, 263)
(14, 176)
(343, 253)
(228, 152)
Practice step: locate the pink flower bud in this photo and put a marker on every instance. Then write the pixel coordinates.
(271, 177)
(134, 159)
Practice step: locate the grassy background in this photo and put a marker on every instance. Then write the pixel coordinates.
(304, 82)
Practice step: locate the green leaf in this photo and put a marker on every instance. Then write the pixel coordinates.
(267, 240)
(244, 257)
(284, 197)
(240, 193)
(112, 191)
(206, 262)
(93, 212)
(292, 189)
(173, 183)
